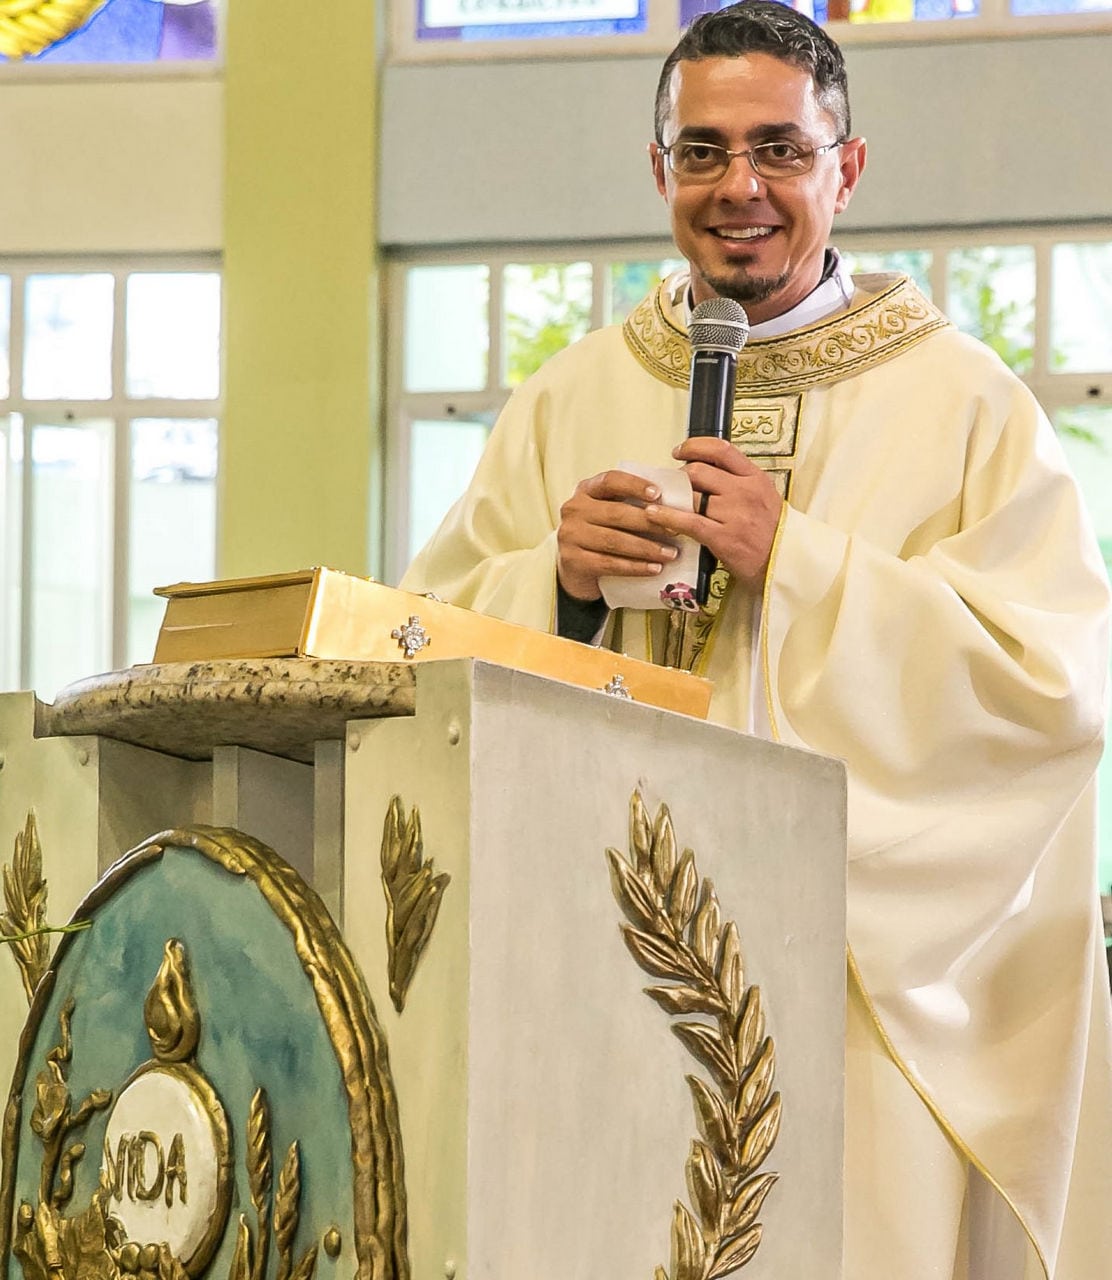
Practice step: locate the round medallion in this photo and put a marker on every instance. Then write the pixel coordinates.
(166, 1163)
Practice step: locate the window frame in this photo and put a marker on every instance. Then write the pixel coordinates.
(120, 410)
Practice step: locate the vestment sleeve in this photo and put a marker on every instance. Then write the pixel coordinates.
(961, 677)
(948, 672)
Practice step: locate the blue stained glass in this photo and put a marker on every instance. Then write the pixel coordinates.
(547, 29)
(690, 9)
(1032, 8)
(874, 10)
(138, 31)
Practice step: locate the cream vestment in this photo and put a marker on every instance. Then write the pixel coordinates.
(935, 614)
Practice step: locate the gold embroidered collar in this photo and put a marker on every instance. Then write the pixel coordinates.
(870, 332)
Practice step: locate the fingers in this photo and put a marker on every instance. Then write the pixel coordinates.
(720, 454)
(737, 508)
(603, 531)
(617, 486)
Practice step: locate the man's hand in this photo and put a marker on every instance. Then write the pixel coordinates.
(602, 532)
(741, 511)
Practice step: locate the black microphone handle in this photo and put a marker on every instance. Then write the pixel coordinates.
(710, 413)
(711, 408)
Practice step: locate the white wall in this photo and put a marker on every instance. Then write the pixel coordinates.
(130, 166)
(960, 133)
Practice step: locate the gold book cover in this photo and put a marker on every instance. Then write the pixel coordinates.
(323, 613)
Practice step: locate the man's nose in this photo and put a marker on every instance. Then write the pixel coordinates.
(740, 181)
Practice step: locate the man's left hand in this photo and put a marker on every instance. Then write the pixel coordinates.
(741, 512)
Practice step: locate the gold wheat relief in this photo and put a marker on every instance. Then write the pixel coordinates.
(675, 932)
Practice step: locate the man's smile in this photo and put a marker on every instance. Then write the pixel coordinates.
(741, 233)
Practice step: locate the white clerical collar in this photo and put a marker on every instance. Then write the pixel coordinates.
(832, 294)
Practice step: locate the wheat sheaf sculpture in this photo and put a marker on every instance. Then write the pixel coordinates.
(675, 932)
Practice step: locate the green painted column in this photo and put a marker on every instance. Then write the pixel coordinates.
(300, 280)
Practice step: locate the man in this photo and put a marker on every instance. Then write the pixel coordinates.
(907, 581)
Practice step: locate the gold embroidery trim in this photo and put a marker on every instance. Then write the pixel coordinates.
(766, 605)
(846, 344)
(28, 27)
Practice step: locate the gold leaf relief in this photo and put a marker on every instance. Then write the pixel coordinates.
(259, 1179)
(688, 1249)
(170, 1009)
(413, 896)
(277, 1209)
(23, 925)
(683, 892)
(738, 1117)
(635, 900)
(735, 1253)
(241, 1258)
(640, 835)
(286, 1209)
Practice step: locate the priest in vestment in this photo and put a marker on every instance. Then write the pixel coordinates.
(907, 581)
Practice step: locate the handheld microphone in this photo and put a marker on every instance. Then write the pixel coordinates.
(719, 329)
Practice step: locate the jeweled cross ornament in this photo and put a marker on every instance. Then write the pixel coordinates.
(412, 637)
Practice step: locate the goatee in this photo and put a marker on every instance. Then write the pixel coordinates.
(747, 289)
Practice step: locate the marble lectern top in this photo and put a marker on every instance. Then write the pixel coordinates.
(278, 705)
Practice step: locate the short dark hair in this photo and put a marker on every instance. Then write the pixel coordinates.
(762, 26)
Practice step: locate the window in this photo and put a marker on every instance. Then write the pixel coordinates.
(109, 410)
(424, 29)
(472, 332)
(108, 31)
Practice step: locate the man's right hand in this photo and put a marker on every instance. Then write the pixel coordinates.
(603, 531)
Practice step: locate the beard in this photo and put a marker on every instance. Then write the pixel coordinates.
(746, 289)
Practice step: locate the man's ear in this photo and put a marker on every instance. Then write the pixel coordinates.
(657, 161)
(852, 165)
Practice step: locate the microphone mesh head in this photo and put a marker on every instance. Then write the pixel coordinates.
(719, 324)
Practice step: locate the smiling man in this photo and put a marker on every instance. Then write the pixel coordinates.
(757, 164)
(907, 581)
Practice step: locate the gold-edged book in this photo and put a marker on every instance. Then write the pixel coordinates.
(322, 613)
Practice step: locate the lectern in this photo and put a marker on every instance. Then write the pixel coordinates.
(444, 970)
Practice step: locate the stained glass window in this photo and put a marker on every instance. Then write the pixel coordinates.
(823, 11)
(1031, 8)
(527, 19)
(92, 31)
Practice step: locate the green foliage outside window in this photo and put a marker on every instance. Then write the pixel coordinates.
(992, 296)
(553, 309)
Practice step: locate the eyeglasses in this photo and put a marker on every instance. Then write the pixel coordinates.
(707, 162)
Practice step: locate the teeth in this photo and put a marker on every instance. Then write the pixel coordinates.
(746, 233)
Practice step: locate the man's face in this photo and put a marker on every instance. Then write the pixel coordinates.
(757, 240)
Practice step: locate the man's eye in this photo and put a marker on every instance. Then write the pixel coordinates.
(699, 153)
(781, 153)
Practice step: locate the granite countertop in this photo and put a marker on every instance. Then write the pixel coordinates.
(278, 705)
